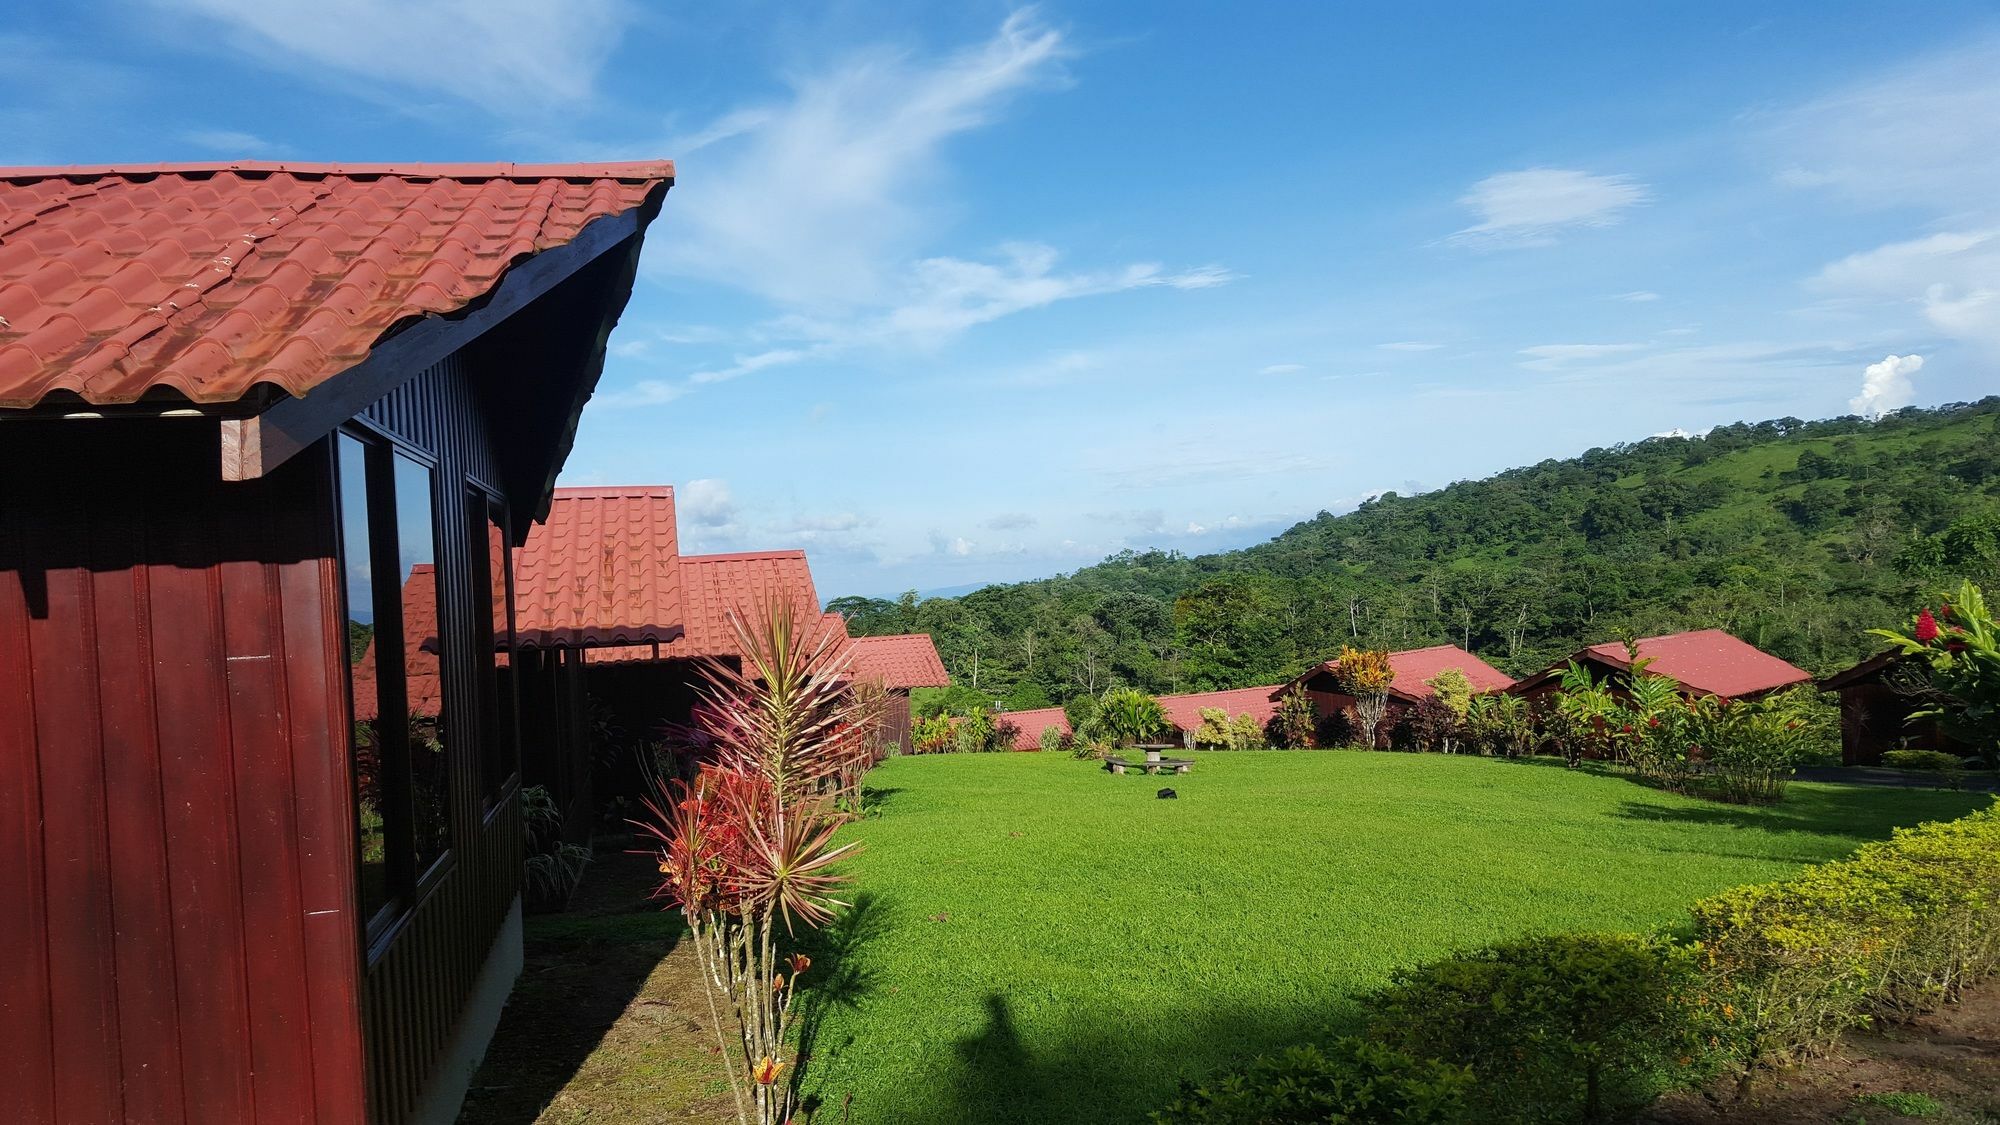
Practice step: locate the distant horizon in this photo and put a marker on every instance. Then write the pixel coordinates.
(965, 294)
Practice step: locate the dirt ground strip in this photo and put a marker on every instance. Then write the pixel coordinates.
(1944, 1067)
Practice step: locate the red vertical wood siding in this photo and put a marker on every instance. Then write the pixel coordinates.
(177, 904)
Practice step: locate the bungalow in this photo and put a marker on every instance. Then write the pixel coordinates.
(260, 420)
(1705, 662)
(897, 664)
(1875, 713)
(1412, 668)
(1183, 711)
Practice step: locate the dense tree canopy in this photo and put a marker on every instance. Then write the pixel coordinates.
(1796, 536)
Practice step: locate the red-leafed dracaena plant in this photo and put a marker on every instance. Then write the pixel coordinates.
(746, 848)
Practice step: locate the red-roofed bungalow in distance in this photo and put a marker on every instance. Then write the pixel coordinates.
(1183, 711)
(261, 419)
(1413, 667)
(898, 663)
(1705, 661)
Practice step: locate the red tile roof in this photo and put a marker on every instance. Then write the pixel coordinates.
(1415, 665)
(713, 585)
(1184, 711)
(205, 282)
(1709, 662)
(1031, 724)
(906, 661)
(604, 569)
(420, 660)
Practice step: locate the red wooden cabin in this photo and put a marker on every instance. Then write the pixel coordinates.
(1412, 668)
(1875, 712)
(1705, 661)
(257, 421)
(897, 663)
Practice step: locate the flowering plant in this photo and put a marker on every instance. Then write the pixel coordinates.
(1366, 675)
(746, 847)
(1958, 649)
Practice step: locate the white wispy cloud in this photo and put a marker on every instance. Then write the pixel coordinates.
(1282, 369)
(1531, 207)
(1010, 521)
(1886, 386)
(1926, 132)
(1548, 357)
(229, 142)
(1637, 296)
(1409, 346)
(818, 200)
(509, 56)
(706, 503)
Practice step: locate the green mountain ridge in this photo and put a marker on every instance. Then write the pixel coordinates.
(1796, 536)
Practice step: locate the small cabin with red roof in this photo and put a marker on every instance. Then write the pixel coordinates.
(1704, 662)
(897, 664)
(1876, 706)
(1412, 668)
(271, 434)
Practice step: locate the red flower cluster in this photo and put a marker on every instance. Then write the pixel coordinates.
(705, 847)
(1927, 627)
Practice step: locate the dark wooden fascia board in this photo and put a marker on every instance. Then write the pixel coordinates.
(252, 447)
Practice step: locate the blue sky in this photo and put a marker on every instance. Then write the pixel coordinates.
(961, 293)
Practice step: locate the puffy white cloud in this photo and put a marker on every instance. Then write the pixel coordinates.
(1885, 386)
(706, 503)
(1952, 278)
(1530, 207)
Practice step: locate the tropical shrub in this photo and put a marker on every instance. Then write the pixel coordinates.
(1501, 724)
(1758, 745)
(934, 734)
(1958, 646)
(1366, 675)
(1215, 731)
(1562, 1028)
(1897, 928)
(1246, 733)
(1453, 690)
(554, 867)
(1353, 1082)
(1083, 713)
(1052, 738)
(1922, 760)
(746, 849)
(1128, 716)
(1292, 727)
(1432, 725)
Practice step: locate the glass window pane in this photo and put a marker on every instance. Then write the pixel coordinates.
(366, 764)
(497, 755)
(416, 556)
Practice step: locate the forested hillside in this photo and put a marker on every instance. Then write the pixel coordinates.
(1794, 535)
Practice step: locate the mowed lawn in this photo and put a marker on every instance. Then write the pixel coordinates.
(1036, 940)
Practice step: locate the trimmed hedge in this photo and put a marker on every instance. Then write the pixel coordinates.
(1922, 760)
(1577, 1027)
(1353, 1082)
(1894, 930)
(1568, 1027)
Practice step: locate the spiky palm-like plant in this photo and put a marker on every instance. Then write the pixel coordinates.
(747, 847)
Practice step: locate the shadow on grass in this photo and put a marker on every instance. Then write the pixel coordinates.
(836, 980)
(581, 971)
(875, 800)
(1857, 813)
(1094, 1070)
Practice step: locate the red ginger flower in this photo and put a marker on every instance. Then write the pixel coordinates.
(1927, 627)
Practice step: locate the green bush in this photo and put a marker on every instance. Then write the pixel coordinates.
(1052, 738)
(1563, 1028)
(1353, 1082)
(1893, 930)
(1922, 760)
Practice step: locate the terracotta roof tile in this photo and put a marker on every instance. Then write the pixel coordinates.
(1413, 666)
(712, 586)
(1184, 711)
(602, 570)
(1031, 724)
(204, 282)
(1708, 661)
(908, 660)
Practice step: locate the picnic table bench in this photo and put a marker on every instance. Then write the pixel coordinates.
(1164, 765)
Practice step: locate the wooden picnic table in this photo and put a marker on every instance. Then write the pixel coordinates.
(1164, 765)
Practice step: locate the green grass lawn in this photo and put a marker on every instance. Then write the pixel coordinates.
(1035, 940)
